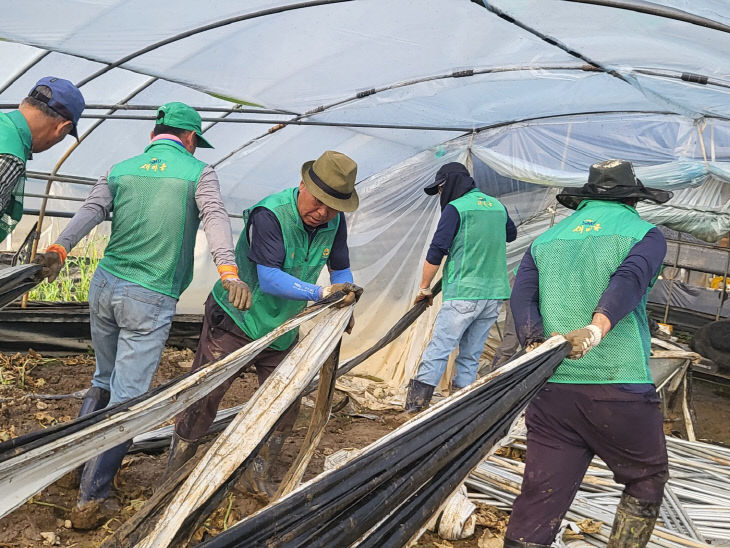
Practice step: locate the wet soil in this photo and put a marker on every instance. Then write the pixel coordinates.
(43, 521)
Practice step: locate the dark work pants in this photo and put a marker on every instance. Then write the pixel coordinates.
(567, 424)
(221, 336)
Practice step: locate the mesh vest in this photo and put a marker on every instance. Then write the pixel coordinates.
(575, 260)
(476, 267)
(15, 139)
(302, 260)
(155, 218)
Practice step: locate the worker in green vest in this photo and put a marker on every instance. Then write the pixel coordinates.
(588, 277)
(289, 237)
(158, 200)
(49, 113)
(473, 230)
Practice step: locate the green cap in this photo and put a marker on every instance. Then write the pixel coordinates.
(182, 116)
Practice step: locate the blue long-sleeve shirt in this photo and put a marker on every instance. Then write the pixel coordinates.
(267, 251)
(626, 287)
(446, 232)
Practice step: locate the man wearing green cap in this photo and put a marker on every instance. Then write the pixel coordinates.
(289, 237)
(49, 113)
(158, 199)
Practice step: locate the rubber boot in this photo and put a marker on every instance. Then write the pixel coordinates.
(95, 398)
(633, 523)
(181, 451)
(257, 475)
(509, 543)
(419, 396)
(96, 481)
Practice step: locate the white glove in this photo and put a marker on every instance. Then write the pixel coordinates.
(424, 294)
(583, 340)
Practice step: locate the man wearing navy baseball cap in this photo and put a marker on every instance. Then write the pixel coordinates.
(49, 113)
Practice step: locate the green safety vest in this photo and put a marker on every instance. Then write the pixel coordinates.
(155, 218)
(575, 260)
(476, 267)
(15, 139)
(303, 260)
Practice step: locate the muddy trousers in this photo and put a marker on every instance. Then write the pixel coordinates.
(221, 336)
(567, 424)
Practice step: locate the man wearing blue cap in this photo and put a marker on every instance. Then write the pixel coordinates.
(49, 113)
(158, 198)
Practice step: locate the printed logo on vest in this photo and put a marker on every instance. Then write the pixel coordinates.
(588, 225)
(325, 252)
(483, 202)
(155, 164)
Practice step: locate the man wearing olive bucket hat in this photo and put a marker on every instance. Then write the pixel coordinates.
(288, 238)
(588, 277)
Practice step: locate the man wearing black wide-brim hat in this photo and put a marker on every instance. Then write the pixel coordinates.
(289, 237)
(588, 277)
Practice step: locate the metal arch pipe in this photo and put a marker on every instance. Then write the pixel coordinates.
(651, 8)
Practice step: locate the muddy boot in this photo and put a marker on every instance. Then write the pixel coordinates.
(92, 509)
(257, 476)
(509, 543)
(419, 396)
(633, 523)
(181, 451)
(95, 398)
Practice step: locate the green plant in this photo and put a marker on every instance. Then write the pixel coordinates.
(74, 280)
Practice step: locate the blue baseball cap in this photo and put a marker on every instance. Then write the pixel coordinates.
(66, 99)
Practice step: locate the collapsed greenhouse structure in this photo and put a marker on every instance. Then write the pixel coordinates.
(526, 93)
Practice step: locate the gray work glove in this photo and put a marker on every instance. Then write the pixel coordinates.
(51, 263)
(583, 340)
(353, 293)
(424, 295)
(239, 294)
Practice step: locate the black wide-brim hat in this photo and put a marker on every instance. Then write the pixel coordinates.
(612, 180)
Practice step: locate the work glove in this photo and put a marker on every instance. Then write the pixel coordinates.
(51, 261)
(530, 346)
(424, 295)
(583, 340)
(350, 325)
(352, 291)
(239, 294)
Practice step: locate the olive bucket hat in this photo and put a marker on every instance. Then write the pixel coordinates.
(331, 179)
(612, 180)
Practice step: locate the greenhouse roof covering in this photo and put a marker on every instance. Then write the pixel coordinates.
(528, 93)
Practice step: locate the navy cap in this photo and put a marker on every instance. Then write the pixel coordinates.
(66, 99)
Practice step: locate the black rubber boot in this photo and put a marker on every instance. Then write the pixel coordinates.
(181, 451)
(95, 398)
(633, 523)
(96, 482)
(419, 396)
(257, 475)
(509, 543)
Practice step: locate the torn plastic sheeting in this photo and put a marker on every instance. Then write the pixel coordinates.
(257, 418)
(160, 438)
(31, 462)
(16, 280)
(384, 496)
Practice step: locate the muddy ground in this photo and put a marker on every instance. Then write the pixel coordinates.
(43, 520)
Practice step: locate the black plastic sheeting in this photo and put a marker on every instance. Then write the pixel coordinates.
(16, 280)
(63, 328)
(383, 497)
